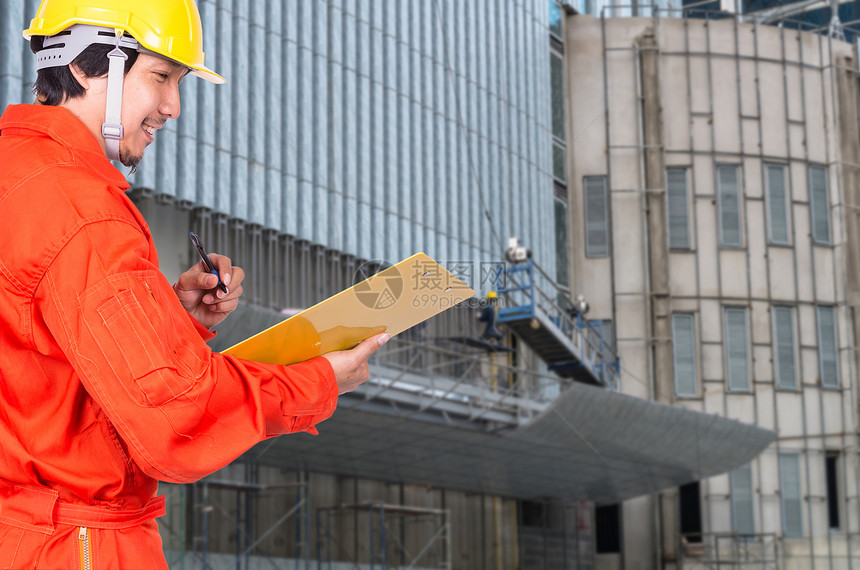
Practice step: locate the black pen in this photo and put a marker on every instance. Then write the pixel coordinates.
(210, 267)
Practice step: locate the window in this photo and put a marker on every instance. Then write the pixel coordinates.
(737, 350)
(559, 153)
(600, 339)
(684, 353)
(596, 217)
(783, 348)
(691, 512)
(533, 514)
(789, 492)
(728, 197)
(607, 527)
(555, 14)
(819, 204)
(562, 254)
(827, 365)
(559, 150)
(678, 209)
(559, 166)
(556, 74)
(777, 207)
(743, 517)
(831, 465)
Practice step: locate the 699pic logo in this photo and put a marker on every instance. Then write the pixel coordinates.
(379, 293)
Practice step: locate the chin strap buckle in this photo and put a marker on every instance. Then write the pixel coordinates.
(112, 127)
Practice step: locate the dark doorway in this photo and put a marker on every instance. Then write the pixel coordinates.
(607, 525)
(690, 504)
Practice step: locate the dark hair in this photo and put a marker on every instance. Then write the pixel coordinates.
(56, 84)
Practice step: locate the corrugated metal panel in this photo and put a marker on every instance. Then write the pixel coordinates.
(206, 124)
(12, 21)
(373, 127)
(257, 111)
(273, 123)
(224, 108)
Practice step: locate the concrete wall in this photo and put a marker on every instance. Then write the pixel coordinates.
(730, 94)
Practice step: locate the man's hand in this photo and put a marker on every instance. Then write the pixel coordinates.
(198, 293)
(350, 366)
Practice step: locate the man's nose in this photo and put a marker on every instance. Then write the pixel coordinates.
(170, 105)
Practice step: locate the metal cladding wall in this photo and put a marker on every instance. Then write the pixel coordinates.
(373, 127)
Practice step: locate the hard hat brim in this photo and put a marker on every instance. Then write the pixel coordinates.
(208, 75)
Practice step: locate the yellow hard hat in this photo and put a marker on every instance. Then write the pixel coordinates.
(492, 295)
(170, 28)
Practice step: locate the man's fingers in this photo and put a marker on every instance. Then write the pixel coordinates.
(224, 266)
(219, 296)
(237, 275)
(224, 306)
(368, 346)
(196, 280)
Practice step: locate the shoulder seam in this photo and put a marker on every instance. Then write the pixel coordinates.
(34, 174)
(55, 250)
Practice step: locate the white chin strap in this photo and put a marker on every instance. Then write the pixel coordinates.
(112, 127)
(63, 48)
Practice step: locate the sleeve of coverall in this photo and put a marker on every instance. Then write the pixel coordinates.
(182, 410)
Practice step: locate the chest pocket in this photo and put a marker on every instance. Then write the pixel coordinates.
(148, 339)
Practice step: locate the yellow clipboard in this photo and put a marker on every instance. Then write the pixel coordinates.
(391, 301)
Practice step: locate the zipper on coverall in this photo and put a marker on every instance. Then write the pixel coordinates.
(84, 543)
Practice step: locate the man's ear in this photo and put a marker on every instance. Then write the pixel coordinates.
(79, 76)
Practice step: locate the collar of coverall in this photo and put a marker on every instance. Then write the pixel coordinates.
(60, 125)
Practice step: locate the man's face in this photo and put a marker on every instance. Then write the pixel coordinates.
(150, 96)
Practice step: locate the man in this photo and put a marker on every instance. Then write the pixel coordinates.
(489, 315)
(106, 383)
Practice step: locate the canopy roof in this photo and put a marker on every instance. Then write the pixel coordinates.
(589, 444)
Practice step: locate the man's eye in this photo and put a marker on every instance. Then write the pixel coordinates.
(162, 76)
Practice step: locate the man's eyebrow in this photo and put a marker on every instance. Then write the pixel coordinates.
(175, 66)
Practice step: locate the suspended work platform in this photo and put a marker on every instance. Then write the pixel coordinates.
(552, 326)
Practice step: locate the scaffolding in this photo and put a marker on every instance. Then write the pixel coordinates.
(720, 550)
(387, 545)
(188, 530)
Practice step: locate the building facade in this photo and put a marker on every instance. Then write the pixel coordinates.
(716, 193)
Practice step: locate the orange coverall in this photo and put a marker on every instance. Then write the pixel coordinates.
(106, 383)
